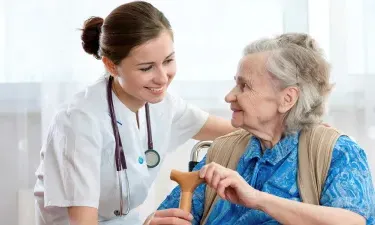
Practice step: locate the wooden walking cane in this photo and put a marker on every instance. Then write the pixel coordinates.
(188, 181)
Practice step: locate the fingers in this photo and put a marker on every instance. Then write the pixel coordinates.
(223, 184)
(213, 173)
(173, 213)
(169, 221)
(209, 173)
(215, 179)
(204, 169)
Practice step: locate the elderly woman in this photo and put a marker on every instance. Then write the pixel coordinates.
(281, 89)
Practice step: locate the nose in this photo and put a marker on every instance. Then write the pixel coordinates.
(162, 77)
(232, 95)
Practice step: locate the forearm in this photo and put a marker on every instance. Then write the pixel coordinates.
(80, 215)
(291, 212)
(213, 128)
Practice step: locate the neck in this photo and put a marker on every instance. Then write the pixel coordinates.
(270, 134)
(129, 101)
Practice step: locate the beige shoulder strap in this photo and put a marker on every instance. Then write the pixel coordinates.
(226, 151)
(314, 159)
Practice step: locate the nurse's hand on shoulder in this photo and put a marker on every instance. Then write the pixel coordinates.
(170, 217)
(230, 185)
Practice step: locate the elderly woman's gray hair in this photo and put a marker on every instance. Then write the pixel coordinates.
(296, 60)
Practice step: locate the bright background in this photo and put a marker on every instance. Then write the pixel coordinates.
(42, 64)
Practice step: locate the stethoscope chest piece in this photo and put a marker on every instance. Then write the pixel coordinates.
(117, 213)
(152, 158)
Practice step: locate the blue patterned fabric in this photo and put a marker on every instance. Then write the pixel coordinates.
(348, 185)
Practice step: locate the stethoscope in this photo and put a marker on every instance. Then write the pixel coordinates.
(152, 156)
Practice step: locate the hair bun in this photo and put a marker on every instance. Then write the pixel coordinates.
(300, 39)
(91, 35)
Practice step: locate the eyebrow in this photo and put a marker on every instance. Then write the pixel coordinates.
(148, 63)
(242, 79)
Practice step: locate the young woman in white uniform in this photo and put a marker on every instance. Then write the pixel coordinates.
(110, 139)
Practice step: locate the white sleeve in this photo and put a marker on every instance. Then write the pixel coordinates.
(72, 161)
(187, 121)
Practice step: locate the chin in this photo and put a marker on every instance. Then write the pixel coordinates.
(155, 99)
(236, 123)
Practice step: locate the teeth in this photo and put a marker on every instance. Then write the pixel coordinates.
(156, 89)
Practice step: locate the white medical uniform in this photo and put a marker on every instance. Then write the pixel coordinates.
(77, 160)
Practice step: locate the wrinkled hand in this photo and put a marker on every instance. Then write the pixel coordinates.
(170, 217)
(229, 185)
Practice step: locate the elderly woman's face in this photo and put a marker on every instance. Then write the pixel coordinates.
(254, 100)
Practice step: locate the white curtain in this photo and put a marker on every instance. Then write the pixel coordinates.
(42, 64)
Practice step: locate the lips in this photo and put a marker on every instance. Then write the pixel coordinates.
(156, 90)
(235, 109)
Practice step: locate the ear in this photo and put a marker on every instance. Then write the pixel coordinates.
(110, 66)
(288, 98)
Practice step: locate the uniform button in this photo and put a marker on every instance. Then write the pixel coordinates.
(116, 212)
(140, 160)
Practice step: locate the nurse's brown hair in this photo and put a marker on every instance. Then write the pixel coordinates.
(126, 27)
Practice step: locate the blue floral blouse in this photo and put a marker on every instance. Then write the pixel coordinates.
(349, 184)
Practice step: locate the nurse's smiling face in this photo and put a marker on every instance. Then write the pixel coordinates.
(145, 74)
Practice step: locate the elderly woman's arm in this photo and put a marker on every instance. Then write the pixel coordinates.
(287, 211)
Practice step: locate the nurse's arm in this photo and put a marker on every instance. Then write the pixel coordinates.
(83, 215)
(213, 128)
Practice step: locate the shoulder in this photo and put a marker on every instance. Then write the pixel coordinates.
(346, 147)
(235, 135)
(74, 124)
(348, 152)
(83, 110)
(228, 143)
(89, 101)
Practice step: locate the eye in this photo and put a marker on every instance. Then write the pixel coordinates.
(245, 86)
(168, 61)
(146, 68)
